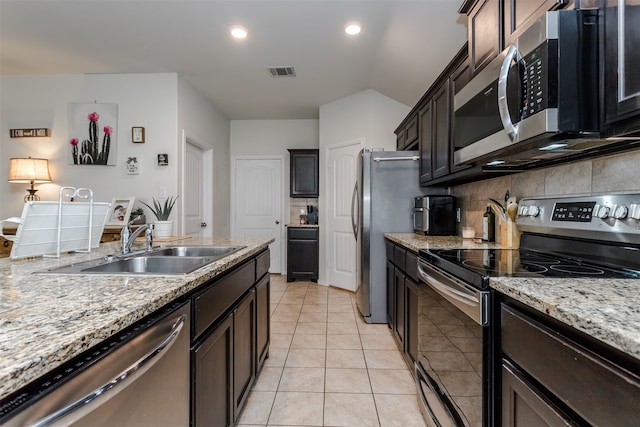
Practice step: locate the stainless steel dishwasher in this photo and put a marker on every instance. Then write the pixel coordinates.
(139, 377)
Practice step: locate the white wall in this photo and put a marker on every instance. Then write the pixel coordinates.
(147, 100)
(366, 115)
(205, 124)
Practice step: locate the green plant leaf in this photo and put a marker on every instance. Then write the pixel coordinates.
(162, 212)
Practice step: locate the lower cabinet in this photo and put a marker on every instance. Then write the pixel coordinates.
(402, 299)
(230, 341)
(302, 253)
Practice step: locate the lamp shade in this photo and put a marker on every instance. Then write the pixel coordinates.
(29, 170)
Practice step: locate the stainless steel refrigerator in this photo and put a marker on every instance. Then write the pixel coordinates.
(382, 203)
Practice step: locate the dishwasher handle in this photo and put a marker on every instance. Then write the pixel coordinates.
(97, 397)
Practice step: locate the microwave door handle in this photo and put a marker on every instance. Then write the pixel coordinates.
(512, 54)
(354, 226)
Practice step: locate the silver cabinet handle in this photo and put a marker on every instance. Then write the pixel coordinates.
(503, 106)
(354, 225)
(92, 400)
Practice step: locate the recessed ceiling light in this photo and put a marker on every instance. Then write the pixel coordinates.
(239, 32)
(352, 28)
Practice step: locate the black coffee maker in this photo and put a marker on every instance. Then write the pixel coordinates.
(312, 214)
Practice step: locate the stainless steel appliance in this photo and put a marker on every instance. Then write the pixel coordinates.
(381, 203)
(139, 377)
(434, 215)
(589, 236)
(538, 100)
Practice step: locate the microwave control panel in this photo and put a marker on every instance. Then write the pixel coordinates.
(535, 81)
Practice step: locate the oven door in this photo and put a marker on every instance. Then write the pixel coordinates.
(453, 352)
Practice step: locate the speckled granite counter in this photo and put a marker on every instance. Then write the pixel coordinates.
(606, 309)
(47, 320)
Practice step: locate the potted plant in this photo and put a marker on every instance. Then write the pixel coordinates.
(163, 227)
(138, 217)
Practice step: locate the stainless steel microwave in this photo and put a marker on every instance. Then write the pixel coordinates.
(538, 100)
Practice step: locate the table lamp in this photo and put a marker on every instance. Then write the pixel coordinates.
(31, 171)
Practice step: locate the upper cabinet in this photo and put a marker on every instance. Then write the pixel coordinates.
(407, 133)
(304, 173)
(520, 14)
(619, 46)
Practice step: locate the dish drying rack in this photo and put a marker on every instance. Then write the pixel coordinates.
(50, 228)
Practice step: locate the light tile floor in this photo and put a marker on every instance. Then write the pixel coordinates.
(327, 367)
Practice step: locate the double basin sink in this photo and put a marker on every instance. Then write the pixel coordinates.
(169, 261)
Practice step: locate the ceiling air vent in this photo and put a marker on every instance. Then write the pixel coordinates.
(282, 71)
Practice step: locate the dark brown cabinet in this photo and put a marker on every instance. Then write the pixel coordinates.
(425, 121)
(230, 340)
(407, 133)
(619, 46)
(302, 253)
(402, 299)
(304, 173)
(520, 14)
(484, 32)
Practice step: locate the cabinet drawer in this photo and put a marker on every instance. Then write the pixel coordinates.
(411, 266)
(303, 233)
(399, 257)
(595, 388)
(263, 261)
(220, 296)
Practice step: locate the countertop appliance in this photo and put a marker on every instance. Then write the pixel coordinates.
(381, 203)
(435, 215)
(139, 377)
(587, 236)
(537, 101)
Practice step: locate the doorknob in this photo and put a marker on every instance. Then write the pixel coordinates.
(277, 222)
(203, 224)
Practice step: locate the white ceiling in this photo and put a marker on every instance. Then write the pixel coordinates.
(404, 45)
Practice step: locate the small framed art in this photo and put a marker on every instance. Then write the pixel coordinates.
(137, 135)
(120, 210)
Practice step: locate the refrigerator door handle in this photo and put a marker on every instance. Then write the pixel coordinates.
(354, 225)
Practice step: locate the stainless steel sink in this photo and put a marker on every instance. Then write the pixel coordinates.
(162, 262)
(198, 251)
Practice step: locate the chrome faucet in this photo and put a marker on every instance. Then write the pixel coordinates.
(127, 237)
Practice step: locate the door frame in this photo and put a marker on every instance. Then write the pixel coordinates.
(283, 212)
(207, 178)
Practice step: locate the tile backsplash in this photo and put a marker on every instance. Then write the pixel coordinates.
(607, 174)
(296, 204)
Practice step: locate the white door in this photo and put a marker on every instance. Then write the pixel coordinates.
(257, 202)
(194, 191)
(341, 246)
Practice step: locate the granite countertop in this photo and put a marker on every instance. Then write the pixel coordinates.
(47, 320)
(606, 309)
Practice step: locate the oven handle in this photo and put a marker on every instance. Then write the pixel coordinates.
(453, 290)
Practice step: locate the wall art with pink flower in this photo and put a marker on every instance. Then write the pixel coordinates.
(92, 134)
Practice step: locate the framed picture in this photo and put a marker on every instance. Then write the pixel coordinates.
(163, 160)
(93, 130)
(120, 210)
(137, 135)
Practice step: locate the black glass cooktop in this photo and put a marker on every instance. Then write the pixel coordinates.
(477, 265)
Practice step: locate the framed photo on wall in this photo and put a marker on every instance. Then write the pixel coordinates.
(120, 211)
(137, 135)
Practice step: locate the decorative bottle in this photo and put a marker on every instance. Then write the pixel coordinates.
(489, 225)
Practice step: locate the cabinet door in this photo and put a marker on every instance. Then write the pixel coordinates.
(524, 406)
(401, 139)
(441, 106)
(213, 372)
(391, 292)
(520, 14)
(411, 322)
(398, 286)
(621, 39)
(244, 350)
(304, 173)
(460, 76)
(484, 33)
(302, 253)
(426, 142)
(263, 298)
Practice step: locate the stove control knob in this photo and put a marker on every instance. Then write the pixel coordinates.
(534, 210)
(600, 211)
(634, 211)
(524, 209)
(619, 211)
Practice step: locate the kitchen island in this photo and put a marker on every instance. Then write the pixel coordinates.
(606, 309)
(48, 320)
